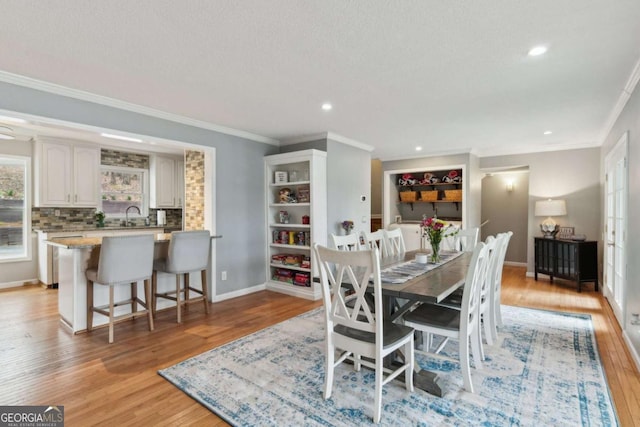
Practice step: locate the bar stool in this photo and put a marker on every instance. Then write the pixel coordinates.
(123, 260)
(188, 252)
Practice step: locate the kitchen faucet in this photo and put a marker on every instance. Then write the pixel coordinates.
(126, 213)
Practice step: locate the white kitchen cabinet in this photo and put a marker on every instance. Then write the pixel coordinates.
(166, 181)
(296, 206)
(66, 175)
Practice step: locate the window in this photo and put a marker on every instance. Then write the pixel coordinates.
(15, 210)
(121, 188)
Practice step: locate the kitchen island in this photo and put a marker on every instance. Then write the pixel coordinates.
(75, 256)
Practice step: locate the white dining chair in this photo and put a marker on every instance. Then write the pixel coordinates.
(467, 239)
(394, 242)
(457, 324)
(454, 300)
(123, 260)
(357, 334)
(495, 318)
(348, 242)
(188, 252)
(377, 240)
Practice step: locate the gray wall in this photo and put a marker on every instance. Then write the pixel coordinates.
(348, 178)
(239, 188)
(571, 175)
(507, 211)
(629, 120)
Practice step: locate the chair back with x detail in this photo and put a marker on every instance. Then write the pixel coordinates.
(395, 242)
(377, 240)
(349, 242)
(355, 331)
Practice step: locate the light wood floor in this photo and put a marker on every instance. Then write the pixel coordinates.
(42, 364)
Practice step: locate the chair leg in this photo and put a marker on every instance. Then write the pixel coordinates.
(134, 297)
(205, 297)
(378, 398)
(410, 357)
(476, 348)
(328, 373)
(148, 298)
(486, 322)
(154, 289)
(178, 301)
(464, 363)
(111, 314)
(186, 288)
(89, 305)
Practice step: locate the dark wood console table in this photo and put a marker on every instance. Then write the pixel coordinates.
(567, 259)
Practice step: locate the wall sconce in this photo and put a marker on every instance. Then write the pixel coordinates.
(510, 185)
(550, 208)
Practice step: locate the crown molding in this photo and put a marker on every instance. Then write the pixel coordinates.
(31, 83)
(327, 135)
(632, 82)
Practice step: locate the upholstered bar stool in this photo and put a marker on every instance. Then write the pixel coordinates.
(123, 260)
(188, 252)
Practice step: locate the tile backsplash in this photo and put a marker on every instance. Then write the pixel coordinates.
(74, 218)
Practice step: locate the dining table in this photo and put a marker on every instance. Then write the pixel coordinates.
(431, 286)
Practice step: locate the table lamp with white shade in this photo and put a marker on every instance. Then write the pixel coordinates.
(550, 208)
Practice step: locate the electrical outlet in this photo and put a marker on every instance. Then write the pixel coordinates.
(223, 275)
(56, 212)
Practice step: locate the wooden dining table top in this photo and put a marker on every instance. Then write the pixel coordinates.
(432, 286)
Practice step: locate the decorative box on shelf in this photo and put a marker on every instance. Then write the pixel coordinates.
(281, 177)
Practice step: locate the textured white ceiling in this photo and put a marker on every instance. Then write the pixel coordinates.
(450, 76)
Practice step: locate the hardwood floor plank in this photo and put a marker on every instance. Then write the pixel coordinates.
(118, 384)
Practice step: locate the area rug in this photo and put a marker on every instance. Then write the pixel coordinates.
(544, 370)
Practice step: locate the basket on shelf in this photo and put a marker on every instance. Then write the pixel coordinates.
(429, 196)
(453, 195)
(408, 196)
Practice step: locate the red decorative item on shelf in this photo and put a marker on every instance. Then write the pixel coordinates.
(305, 219)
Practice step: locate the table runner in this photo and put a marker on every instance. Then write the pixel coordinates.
(401, 273)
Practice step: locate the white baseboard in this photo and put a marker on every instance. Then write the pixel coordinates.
(515, 264)
(239, 293)
(529, 274)
(18, 283)
(634, 354)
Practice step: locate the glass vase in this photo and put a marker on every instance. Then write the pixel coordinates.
(435, 252)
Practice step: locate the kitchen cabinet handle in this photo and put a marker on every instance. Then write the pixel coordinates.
(76, 198)
(68, 197)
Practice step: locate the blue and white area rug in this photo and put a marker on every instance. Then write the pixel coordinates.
(544, 371)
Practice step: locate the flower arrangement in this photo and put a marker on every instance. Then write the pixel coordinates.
(435, 230)
(347, 225)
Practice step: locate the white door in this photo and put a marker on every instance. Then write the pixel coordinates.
(616, 227)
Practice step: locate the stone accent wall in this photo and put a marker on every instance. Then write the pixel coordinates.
(194, 190)
(123, 159)
(82, 218)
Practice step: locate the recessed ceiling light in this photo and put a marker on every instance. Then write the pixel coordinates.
(418, 148)
(537, 50)
(120, 137)
(4, 134)
(548, 132)
(326, 106)
(12, 119)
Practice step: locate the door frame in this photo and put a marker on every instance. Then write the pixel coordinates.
(620, 148)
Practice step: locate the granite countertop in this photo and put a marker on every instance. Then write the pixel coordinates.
(90, 242)
(90, 228)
